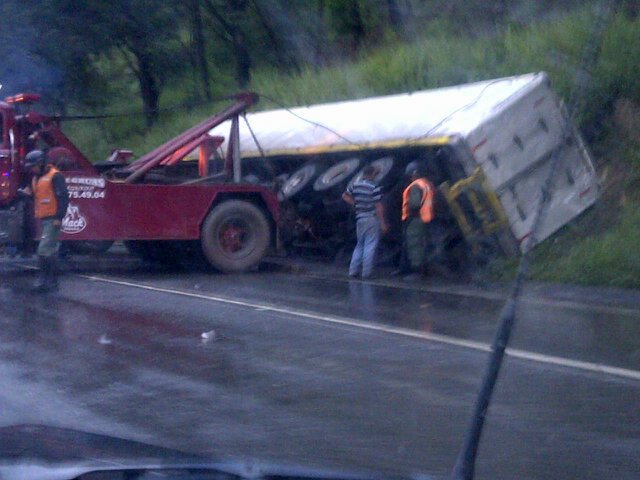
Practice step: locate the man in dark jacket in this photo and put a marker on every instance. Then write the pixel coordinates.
(51, 199)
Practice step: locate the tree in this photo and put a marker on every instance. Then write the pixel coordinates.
(198, 45)
(398, 15)
(280, 38)
(296, 32)
(143, 32)
(348, 21)
(231, 24)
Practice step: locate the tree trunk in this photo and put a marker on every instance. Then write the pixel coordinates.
(243, 61)
(237, 9)
(631, 8)
(356, 25)
(149, 89)
(141, 64)
(395, 16)
(319, 36)
(284, 58)
(199, 48)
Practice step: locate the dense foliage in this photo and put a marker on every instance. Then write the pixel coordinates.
(87, 52)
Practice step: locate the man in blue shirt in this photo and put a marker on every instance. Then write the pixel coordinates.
(366, 196)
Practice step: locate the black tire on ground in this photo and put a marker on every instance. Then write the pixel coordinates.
(235, 236)
(88, 247)
(300, 182)
(386, 176)
(333, 180)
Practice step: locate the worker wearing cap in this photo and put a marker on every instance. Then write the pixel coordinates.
(51, 199)
(417, 212)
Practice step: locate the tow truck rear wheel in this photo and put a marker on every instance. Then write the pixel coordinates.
(235, 236)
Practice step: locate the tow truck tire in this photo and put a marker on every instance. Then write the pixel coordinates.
(235, 236)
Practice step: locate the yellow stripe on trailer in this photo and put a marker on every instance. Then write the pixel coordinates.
(360, 147)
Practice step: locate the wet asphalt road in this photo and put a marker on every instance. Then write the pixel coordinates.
(315, 370)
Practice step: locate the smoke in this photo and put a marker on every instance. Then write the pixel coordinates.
(22, 72)
(22, 69)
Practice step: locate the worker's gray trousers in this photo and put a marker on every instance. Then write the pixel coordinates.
(49, 243)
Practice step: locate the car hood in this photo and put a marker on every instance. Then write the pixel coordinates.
(53, 453)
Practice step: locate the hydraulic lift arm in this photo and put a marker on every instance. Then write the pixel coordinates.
(193, 137)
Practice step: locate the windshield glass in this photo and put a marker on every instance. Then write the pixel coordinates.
(336, 239)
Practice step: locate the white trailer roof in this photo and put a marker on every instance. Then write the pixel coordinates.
(424, 117)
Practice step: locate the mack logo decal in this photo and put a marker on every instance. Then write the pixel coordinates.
(73, 222)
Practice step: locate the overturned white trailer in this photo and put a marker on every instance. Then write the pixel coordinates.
(497, 137)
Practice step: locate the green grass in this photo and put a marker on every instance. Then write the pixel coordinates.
(610, 258)
(601, 248)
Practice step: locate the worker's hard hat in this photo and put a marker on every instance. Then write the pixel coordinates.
(35, 158)
(414, 167)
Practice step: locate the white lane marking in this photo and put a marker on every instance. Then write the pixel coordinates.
(465, 292)
(577, 364)
(484, 347)
(485, 295)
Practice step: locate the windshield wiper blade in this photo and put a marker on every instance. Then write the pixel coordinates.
(55, 453)
(205, 471)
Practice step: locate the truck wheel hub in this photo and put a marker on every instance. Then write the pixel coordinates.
(232, 237)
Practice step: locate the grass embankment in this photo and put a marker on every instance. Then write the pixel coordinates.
(601, 248)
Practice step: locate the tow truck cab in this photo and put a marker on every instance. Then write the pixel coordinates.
(14, 142)
(10, 173)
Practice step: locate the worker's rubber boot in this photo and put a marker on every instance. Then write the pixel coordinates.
(41, 280)
(52, 273)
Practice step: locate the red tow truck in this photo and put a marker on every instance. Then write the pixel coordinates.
(187, 195)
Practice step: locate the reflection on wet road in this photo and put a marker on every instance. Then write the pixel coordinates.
(596, 334)
(275, 385)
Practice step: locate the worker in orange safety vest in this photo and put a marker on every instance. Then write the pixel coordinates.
(417, 213)
(51, 199)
